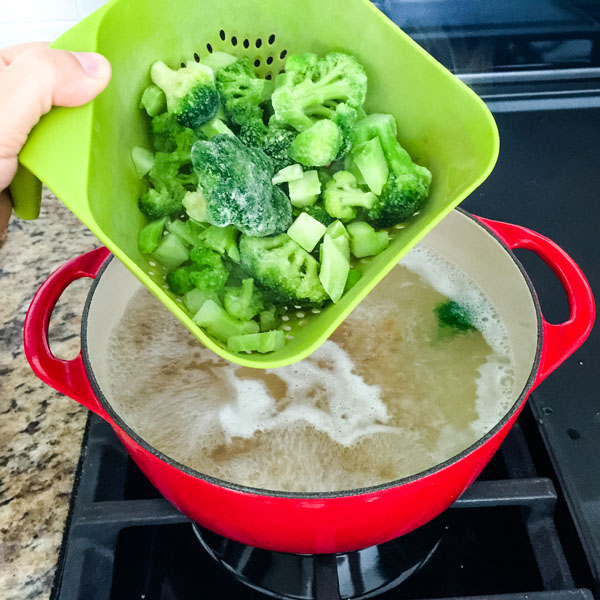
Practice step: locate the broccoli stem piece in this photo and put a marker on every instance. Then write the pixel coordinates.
(287, 174)
(365, 241)
(221, 325)
(335, 264)
(150, 236)
(143, 160)
(305, 191)
(306, 231)
(268, 319)
(269, 341)
(189, 232)
(153, 101)
(171, 252)
(370, 161)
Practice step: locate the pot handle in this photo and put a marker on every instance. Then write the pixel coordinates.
(66, 376)
(561, 340)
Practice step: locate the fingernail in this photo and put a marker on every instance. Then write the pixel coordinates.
(93, 64)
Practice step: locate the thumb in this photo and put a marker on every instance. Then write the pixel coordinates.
(34, 81)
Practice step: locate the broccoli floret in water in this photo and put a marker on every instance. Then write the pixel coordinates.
(190, 91)
(342, 196)
(242, 92)
(311, 88)
(452, 315)
(407, 185)
(236, 182)
(286, 273)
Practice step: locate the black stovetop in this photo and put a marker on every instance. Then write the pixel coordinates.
(530, 526)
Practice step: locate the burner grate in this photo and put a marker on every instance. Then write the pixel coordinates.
(124, 541)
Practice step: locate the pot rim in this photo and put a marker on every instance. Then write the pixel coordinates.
(320, 495)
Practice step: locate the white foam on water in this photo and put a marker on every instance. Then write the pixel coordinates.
(351, 408)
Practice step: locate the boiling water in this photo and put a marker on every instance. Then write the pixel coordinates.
(390, 394)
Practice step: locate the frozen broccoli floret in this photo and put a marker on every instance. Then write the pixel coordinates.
(190, 91)
(179, 280)
(311, 88)
(342, 196)
(156, 204)
(318, 145)
(273, 140)
(243, 302)
(317, 211)
(345, 118)
(452, 315)
(242, 92)
(173, 172)
(407, 186)
(209, 273)
(223, 240)
(236, 182)
(286, 273)
(169, 136)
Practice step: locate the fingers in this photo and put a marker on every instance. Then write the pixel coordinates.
(7, 55)
(35, 78)
(5, 210)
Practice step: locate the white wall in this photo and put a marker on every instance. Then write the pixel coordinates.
(35, 20)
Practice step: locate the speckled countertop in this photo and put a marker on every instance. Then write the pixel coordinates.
(40, 430)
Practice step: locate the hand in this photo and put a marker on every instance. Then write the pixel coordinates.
(33, 78)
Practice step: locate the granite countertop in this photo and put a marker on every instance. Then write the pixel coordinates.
(40, 429)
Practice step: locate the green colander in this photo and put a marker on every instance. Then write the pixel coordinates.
(83, 154)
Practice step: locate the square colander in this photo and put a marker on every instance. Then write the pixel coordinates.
(83, 154)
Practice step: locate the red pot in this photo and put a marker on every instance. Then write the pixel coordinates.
(339, 521)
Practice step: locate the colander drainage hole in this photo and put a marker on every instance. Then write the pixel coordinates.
(234, 41)
(257, 62)
(196, 57)
(209, 48)
(271, 39)
(258, 43)
(183, 65)
(268, 76)
(222, 35)
(246, 43)
(270, 60)
(283, 54)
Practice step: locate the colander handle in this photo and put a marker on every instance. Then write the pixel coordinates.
(26, 194)
(66, 376)
(561, 340)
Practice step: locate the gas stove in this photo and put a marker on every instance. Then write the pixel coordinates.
(529, 527)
